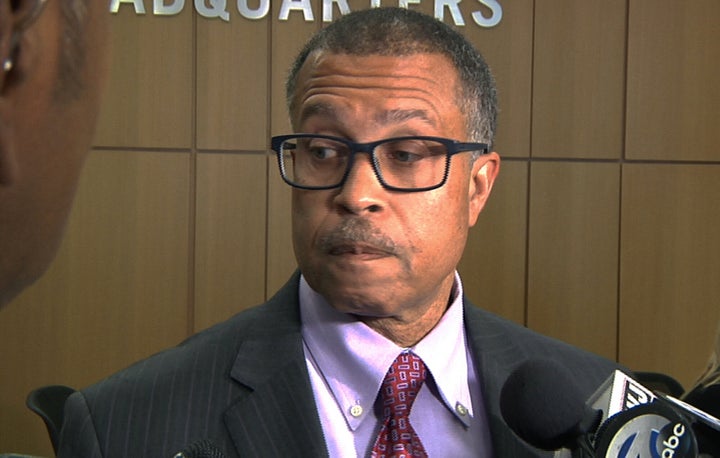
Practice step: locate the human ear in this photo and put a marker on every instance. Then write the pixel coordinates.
(482, 177)
(16, 16)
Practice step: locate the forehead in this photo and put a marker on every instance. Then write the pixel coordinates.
(386, 88)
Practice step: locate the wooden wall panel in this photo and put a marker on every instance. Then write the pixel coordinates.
(508, 48)
(579, 79)
(573, 253)
(230, 239)
(148, 102)
(116, 293)
(493, 266)
(232, 80)
(670, 294)
(673, 96)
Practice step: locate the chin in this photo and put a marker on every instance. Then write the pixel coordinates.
(354, 282)
(368, 301)
(364, 310)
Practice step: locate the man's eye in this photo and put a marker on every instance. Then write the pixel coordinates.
(320, 152)
(405, 156)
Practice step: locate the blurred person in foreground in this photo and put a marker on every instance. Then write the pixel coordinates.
(705, 395)
(53, 63)
(371, 348)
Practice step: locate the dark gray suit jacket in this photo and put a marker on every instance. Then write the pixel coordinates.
(244, 385)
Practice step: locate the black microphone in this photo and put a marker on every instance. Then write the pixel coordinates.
(653, 430)
(203, 448)
(705, 426)
(621, 419)
(640, 422)
(693, 412)
(543, 406)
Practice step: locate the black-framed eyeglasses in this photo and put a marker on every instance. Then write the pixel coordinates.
(410, 164)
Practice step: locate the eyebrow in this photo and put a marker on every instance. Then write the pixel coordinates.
(384, 117)
(317, 109)
(400, 116)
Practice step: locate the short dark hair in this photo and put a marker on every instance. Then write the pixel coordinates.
(402, 32)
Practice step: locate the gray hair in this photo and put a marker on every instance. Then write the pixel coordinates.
(402, 32)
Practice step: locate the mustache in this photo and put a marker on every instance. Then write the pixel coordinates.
(357, 232)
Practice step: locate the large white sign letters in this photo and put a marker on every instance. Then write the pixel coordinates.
(487, 13)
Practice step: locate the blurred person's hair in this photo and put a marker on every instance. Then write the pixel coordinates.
(73, 50)
(711, 375)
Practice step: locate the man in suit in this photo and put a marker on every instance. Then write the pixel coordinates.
(393, 166)
(52, 65)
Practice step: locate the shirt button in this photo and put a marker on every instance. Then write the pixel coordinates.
(461, 409)
(356, 410)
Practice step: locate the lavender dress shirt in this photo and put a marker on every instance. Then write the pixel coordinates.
(347, 362)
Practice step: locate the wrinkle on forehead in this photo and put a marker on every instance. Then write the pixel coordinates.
(402, 79)
(395, 116)
(389, 81)
(393, 73)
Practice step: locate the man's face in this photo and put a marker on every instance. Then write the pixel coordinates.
(367, 250)
(48, 138)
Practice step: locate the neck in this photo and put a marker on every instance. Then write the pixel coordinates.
(408, 331)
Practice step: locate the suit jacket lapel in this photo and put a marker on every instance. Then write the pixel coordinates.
(278, 415)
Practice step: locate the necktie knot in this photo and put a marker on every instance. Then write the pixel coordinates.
(401, 384)
(397, 438)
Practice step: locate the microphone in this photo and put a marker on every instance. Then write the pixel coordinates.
(692, 412)
(542, 405)
(621, 419)
(619, 392)
(203, 448)
(648, 430)
(705, 426)
(625, 401)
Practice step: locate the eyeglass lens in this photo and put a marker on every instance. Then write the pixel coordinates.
(401, 163)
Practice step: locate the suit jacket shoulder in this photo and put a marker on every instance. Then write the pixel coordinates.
(242, 384)
(499, 346)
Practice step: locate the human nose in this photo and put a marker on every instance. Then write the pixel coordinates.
(361, 191)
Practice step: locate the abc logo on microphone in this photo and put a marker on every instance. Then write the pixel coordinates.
(652, 430)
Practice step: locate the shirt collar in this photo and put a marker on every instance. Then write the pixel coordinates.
(354, 377)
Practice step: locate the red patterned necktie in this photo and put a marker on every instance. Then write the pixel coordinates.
(397, 438)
